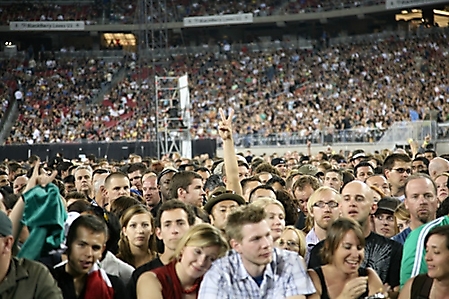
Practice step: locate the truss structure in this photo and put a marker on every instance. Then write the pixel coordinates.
(173, 117)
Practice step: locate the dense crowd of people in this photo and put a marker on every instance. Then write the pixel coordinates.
(55, 96)
(124, 12)
(347, 92)
(319, 225)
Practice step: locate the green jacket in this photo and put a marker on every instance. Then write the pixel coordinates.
(44, 215)
(28, 280)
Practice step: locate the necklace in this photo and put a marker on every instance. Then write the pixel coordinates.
(193, 288)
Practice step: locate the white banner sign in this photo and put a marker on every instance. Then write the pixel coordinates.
(47, 26)
(218, 20)
(395, 4)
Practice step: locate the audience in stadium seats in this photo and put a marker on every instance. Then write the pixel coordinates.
(282, 92)
(124, 12)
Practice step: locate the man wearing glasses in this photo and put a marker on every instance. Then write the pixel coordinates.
(323, 208)
(397, 168)
(135, 174)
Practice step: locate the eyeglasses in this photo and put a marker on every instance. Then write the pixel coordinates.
(321, 204)
(289, 243)
(402, 170)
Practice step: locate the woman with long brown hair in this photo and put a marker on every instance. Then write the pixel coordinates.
(137, 243)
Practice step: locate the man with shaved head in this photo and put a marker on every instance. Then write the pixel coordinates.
(438, 166)
(381, 254)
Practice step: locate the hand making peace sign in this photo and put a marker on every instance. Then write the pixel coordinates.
(225, 125)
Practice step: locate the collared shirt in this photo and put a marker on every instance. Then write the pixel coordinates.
(114, 266)
(285, 276)
(311, 240)
(402, 236)
(27, 279)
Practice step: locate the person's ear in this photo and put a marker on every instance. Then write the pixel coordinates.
(104, 192)
(9, 242)
(158, 233)
(211, 218)
(181, 192)
(373, 208)
(235, 245)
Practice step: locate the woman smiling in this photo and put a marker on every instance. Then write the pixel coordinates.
(342, 277)
(181, 278)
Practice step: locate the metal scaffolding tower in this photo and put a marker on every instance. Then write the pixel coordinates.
(173, 120)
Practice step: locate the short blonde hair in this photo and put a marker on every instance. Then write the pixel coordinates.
(301, 237)
(264, 202)
(249, 214)
(202, 235)
(316, 196)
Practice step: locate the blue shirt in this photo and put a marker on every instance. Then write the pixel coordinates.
(402, 236)
(285, 276)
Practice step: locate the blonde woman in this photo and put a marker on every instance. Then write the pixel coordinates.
(136, 245)
(442, 186)
(181, 278)
(293, 239)
(275, 215)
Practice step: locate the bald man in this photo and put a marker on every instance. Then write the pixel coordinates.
(438, 166)
(381, 254)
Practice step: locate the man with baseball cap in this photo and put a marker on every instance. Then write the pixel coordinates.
(384, 223)
(220, 204)
(22, 278)
(280, 165)
(163, 182)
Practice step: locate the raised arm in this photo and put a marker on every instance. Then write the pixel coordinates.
(230, 159)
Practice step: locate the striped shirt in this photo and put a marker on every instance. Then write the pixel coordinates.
(284, 277)
(413, 262)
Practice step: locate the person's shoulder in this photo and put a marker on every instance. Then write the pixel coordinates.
(377, 239)
(285, 254)
(116, 281)
(151, 265)
(317, 246)
(421, 231)
(229, 263)
(287, 259)
(402, 236)
(30, 265)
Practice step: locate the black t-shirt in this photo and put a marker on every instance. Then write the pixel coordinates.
(132, 283)
(65, 283)
(381, 254)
